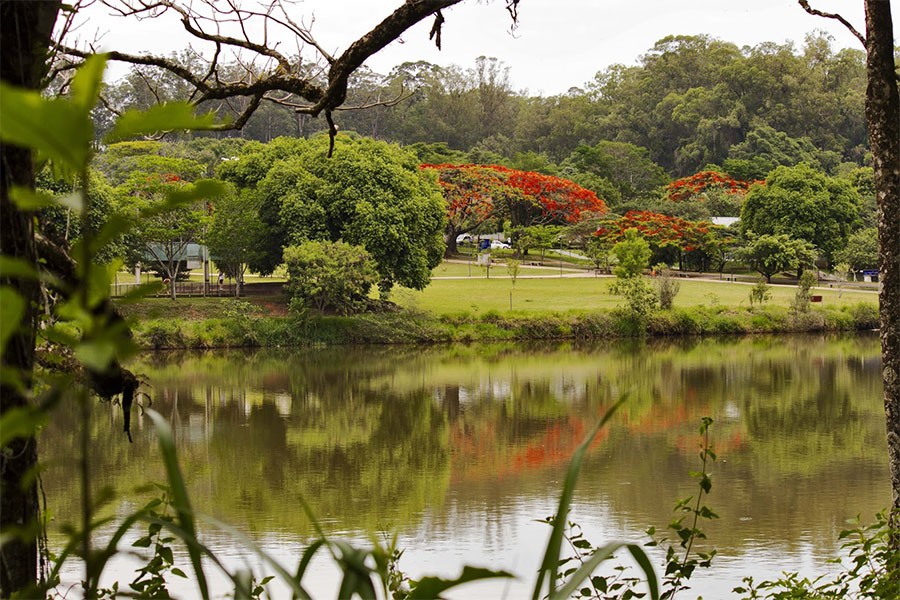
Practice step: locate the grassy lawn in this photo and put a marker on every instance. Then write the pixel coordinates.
(468, 290)
(477, 295)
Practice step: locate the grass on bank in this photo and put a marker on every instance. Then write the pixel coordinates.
(478, 294)
(476, 309)
(567, 294)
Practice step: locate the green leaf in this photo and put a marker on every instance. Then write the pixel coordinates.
(96, 354)
(171, 116)
(73, 201)
(55, 128)
(602, 554)
(12, 268)
(87, 82)
(432, 587)
(202, 189)
(550, 564)
(115, 226)
(143, 542)
(28, 199)
(140, 292)
(12, 309)
(180, 499)
(20, 422)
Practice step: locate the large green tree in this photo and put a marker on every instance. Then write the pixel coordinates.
(235, 233)
(626, 166)
(370, 194)
(764, 148)
(805, 204)
(772, 253)
(861, 251)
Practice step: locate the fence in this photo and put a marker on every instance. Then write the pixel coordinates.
(182, 288)
(194, 289)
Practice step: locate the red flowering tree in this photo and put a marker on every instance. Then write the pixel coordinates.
(477, 193)
(671, 238)
(471, 193)
(696, 186)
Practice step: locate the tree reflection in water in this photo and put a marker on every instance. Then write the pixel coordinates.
(434, 442)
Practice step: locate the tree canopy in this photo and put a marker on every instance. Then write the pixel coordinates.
(805, 204)
(477, 193)
(370, 194)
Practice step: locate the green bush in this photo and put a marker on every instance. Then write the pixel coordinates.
(865, 315)
(160, 335)
(760, 293)
(332, 276)
(592, 326)
(640, 297)
(549, 327)
(677, 322)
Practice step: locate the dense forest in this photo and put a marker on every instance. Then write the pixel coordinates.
(689, 102)
(664, 145)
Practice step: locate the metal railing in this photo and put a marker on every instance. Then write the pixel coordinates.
(187, 289)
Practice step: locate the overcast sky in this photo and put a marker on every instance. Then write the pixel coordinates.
(558, 44)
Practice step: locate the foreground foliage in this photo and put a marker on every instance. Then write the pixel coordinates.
(871, 570)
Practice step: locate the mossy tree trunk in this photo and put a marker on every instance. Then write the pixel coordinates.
(25, 29)
(883, 121)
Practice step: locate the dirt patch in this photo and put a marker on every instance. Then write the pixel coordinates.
(272, 308)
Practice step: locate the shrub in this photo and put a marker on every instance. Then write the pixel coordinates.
(592, 325)
(632, 254)
(801, 300)
(163, 334)
(667, 287)
(640, 297)
(329, 275)
(865, 315)
(872, 571)
(760, 293)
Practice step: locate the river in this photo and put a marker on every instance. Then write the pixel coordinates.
(460, 449)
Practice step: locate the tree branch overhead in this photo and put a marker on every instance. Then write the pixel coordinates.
(268, 72)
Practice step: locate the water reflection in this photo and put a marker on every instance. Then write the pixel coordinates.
(460, 448)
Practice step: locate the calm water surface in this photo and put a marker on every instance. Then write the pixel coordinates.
(460, 449)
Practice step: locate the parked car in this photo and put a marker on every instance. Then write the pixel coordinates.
(499, 245)
(464, 239)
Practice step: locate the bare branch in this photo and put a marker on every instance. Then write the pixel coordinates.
(412, 12)
(269, 74)
(835, 16)
(435, 33)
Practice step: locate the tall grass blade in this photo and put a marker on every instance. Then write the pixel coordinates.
(550, 564)
(180, 500)
(284, 574)
(600, 555)
(643, 561)
(305, 559)
(433, 587)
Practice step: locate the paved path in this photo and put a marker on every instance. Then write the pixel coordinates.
(581, 273)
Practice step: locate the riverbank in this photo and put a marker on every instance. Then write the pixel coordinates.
(243, 324)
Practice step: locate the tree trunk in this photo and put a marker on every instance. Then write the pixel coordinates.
(25, 29)
(883, 121)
